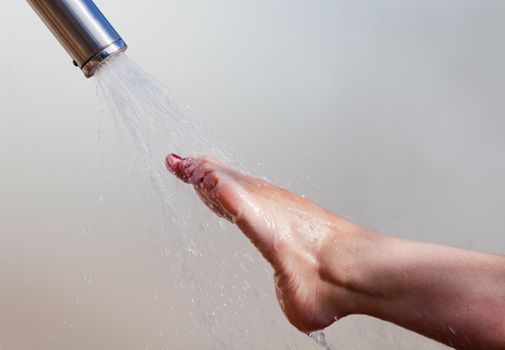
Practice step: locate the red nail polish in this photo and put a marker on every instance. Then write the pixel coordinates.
(176, 156)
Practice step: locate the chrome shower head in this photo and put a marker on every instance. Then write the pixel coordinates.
(82, 30)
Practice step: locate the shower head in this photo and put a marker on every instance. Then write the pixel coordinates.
(82, 30)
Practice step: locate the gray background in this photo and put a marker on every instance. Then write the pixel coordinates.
(387, 112)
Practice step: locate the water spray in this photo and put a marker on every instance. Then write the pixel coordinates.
(82, 30)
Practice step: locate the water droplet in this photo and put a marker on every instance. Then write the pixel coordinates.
(193, 251)
(87, 278)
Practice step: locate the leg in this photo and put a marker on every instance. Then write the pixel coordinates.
(327, 268)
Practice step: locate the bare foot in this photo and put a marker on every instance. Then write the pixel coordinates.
(289, 231)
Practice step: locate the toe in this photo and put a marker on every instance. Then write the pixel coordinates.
(201, 171)
(172, 162)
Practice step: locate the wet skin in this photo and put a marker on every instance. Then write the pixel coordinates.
(327, 268)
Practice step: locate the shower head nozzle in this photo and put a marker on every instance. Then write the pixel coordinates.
(82, 30)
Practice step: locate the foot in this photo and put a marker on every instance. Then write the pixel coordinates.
(288, 230)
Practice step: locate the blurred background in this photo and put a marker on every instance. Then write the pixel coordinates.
(390, 113)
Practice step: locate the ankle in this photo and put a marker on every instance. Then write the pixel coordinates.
(343, 260)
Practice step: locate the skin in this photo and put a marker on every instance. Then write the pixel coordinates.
(327, 268)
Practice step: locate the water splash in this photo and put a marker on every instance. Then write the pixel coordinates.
(320, 339)
(204, 258)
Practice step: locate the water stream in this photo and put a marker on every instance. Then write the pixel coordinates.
(210, 277)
